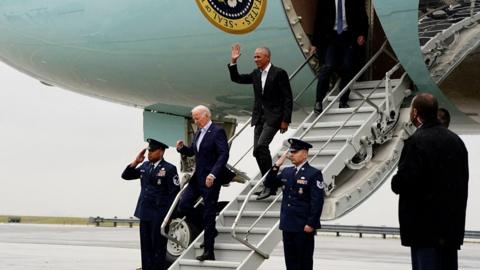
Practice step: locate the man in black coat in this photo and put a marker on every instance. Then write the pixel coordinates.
(341, 28)
(272, 109)
(432, 181)
(160, 184)
(210, 148)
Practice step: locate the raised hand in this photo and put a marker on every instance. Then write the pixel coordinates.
(179, 144)
(235, 53)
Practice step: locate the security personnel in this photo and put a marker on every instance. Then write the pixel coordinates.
(301, 204)
(160, 184)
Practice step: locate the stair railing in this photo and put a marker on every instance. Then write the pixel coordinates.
(177, 198)
(257, 185)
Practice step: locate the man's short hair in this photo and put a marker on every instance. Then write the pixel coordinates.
(266, 50)
(426, 105)
(204, 110)
(444, 117)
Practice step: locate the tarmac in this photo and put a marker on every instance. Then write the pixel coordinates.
(65, 247)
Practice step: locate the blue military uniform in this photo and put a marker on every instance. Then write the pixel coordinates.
(159, 186)
(301, 205)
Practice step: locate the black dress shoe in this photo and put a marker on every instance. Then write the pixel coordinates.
(343, 105)
(318, 109)
(266, 192)
(207, 255)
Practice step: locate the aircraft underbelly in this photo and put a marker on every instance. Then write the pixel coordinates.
(163, 55)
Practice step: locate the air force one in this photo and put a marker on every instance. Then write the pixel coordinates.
(166, 56)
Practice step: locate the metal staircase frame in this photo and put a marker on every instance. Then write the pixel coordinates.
(365, 99)
(267, 236)
(445, 42)
(230, 141)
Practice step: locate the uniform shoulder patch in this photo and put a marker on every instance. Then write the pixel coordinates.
(176, 180)
(320, 184)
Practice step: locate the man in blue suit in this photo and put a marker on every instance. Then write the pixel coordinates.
(210, 148)
(302, 204)
(160, 184)
(341, 29)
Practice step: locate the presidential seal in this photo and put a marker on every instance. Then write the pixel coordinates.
(234, 16)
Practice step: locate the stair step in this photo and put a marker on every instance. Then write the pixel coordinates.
(190, 264)
(226, 246)
(225, 234)
(359, 102)
(321, 124)
(325, 138)
(254, 205)
(347, 130)
(224, 229)
(341, 117)
(249, 217)
(376, 95)
(230, 251)
(372, 84)
(349, 110)
(234, 213)
(252, 198)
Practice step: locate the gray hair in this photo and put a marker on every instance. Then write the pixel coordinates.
(266, 50)
(203, 110)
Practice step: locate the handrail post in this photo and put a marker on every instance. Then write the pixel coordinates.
(169, 215)
(472, 7)
(387, 92)
(389, 98)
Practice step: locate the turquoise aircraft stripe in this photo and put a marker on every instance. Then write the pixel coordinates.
(400, 23)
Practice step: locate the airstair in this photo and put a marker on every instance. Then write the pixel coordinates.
(447, 35)
(356, 148)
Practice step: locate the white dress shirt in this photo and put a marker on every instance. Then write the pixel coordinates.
(344, 19)
(265, 74)
(202, 134)
(297, 168)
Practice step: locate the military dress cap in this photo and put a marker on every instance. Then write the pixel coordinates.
(154, 145)
(296, 144)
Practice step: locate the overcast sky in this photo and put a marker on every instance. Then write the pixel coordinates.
(61, 154)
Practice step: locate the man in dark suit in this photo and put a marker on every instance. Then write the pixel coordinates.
(302, 204)
(210, 148)
(432, 184)
(272, 109)
(341, 28)
(160, 184)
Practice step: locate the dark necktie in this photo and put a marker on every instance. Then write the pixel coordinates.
(151, 167)
(339, 17)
